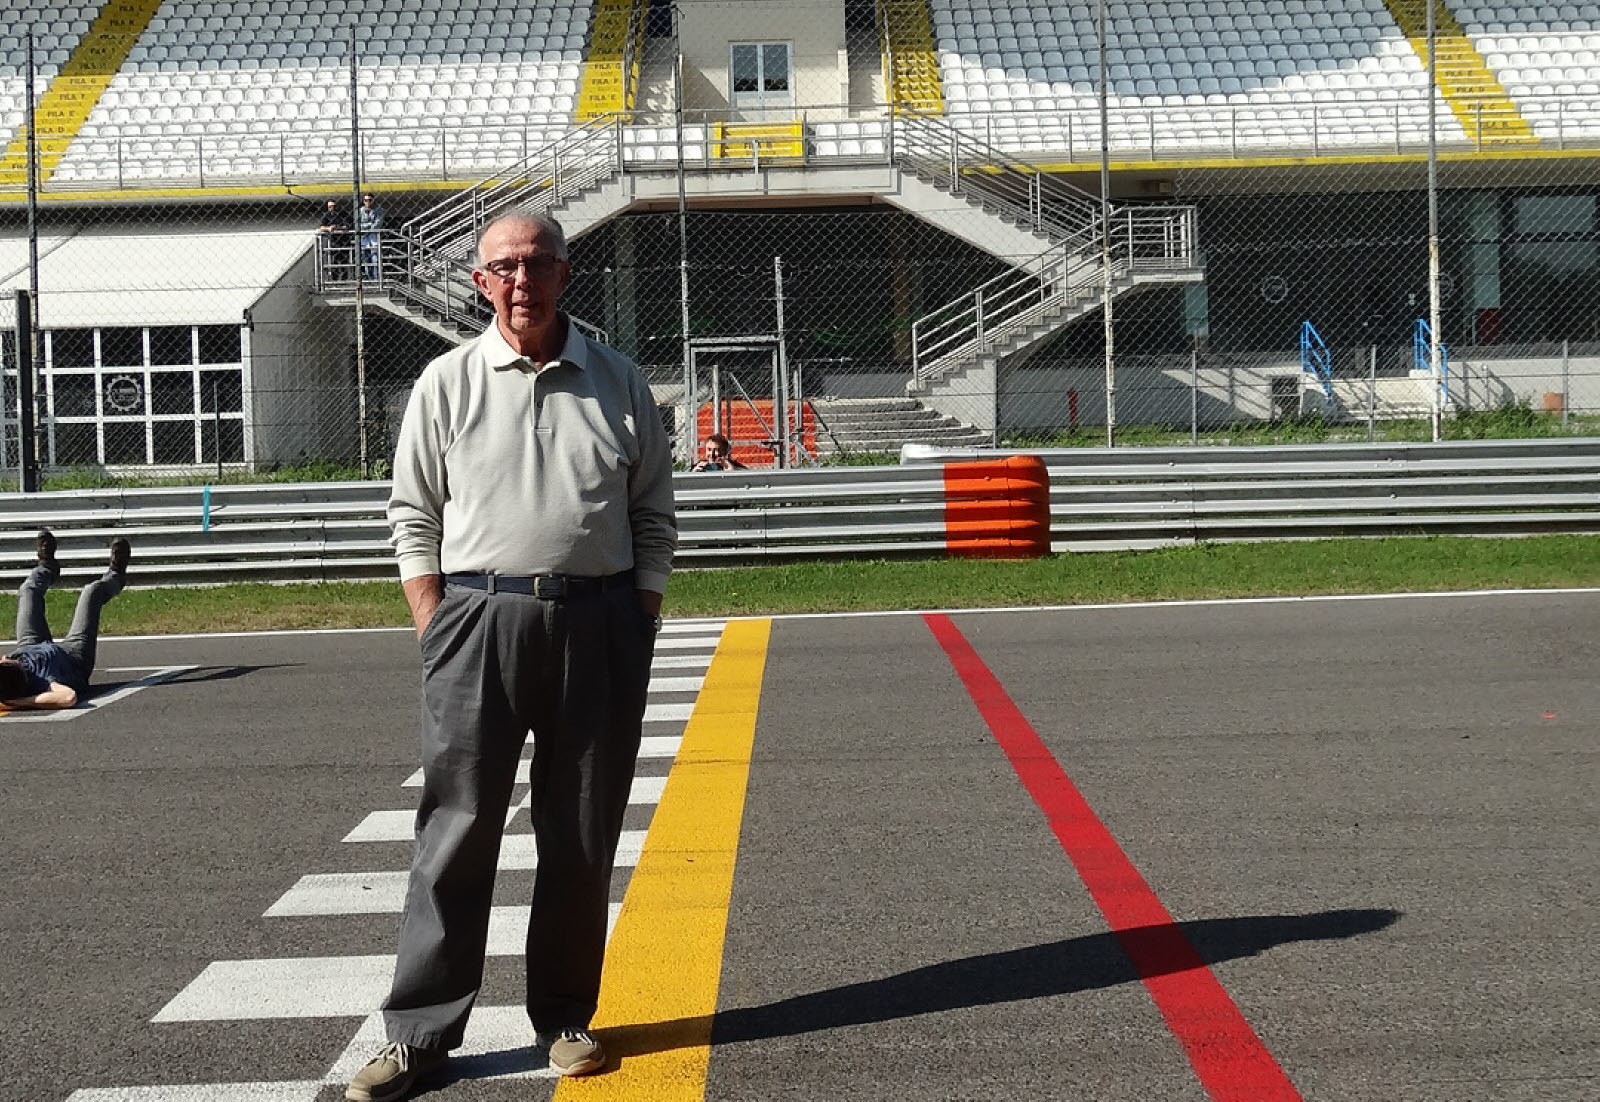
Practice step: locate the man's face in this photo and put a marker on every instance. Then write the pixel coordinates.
(714, 451)
(520, 275)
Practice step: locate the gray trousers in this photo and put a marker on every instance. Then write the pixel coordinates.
(84, 634)
(495, 666)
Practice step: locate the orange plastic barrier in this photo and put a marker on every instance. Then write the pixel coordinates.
(997, 508)
(745, 427)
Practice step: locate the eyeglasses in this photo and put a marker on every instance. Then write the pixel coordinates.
(538, 267)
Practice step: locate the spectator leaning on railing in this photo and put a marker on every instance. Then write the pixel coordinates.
(335, 228)
(369, 221)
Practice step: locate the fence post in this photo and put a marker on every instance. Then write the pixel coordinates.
(216, 426)
(978, 311)
(1566, 375)
(27, 407)
(1194, 395)
(1372, 392)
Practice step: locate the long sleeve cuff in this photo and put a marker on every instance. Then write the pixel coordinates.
(416, 564)
(653, 580)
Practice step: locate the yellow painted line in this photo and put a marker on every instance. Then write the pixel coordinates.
(1476, 96)
(913, 77)
(83, 79)
(605, 87)
(664, 963)
(336, 189)
(1518, 154)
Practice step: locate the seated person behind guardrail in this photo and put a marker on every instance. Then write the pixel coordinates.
(42, 673)
(716, 454)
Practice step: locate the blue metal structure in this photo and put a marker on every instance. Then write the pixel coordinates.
(1421, 339)
(1315, 357)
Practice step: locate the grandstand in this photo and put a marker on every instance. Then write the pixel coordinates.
(1265, 161)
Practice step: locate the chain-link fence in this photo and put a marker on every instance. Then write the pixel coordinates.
(792, 260)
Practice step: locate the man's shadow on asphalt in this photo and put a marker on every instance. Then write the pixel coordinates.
(1039, 971)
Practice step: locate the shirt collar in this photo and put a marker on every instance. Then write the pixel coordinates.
(500, 355)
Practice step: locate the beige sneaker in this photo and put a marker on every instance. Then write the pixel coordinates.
(392, 1073)
(573, 1051)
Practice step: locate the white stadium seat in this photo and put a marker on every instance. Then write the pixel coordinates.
(261, 69)
(1249, 71)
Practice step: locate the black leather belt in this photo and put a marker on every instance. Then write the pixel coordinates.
(552, 587)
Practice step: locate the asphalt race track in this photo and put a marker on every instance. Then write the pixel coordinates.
(1340, 850)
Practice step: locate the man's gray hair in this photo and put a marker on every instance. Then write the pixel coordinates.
(546, 226)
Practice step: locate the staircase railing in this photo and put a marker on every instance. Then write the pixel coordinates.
(437, 246)
(582, 157)
(1315, 359)
(1142, 239)
(964, 165)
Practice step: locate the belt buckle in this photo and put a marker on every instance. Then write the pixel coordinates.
(550, 588)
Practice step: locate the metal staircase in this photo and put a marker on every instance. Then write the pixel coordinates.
(432, 273)
(1048, 231)
(1046, 290)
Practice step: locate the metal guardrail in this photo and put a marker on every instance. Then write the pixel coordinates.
(1101, 499)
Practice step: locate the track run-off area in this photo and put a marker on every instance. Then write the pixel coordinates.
(1338, 849)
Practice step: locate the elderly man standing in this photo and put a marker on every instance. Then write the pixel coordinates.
(533, 520)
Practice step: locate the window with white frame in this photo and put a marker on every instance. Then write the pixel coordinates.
(760, 75)
(168, 395)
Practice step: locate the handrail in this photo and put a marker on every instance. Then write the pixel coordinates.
(587, 152)
(1142, 239)
(962, 163)
(437, 244)
(391, 147)
(1315, 359)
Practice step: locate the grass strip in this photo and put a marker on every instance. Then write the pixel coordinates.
(1419, 564)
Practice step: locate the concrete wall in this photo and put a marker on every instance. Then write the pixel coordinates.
(299, 390)
(1150, 390)
(1486, 378)
(815, 33)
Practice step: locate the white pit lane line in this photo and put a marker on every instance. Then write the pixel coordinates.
(155, 676)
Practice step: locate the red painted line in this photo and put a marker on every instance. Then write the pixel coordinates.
(1232, 1063)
